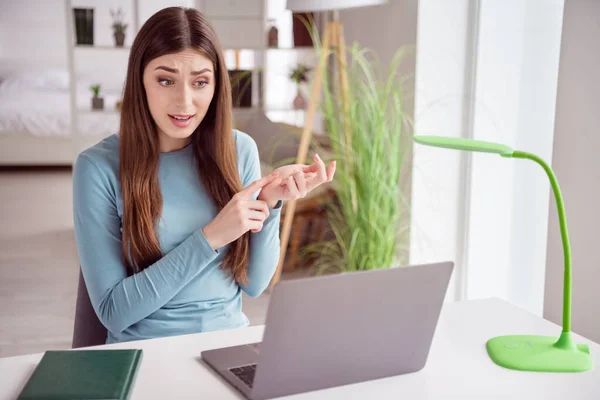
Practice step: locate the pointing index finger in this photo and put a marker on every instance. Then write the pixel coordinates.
(258, 184)
(321, 168)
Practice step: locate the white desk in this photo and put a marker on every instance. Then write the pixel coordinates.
(458, 366)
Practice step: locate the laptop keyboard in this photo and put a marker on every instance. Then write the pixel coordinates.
(245, 373)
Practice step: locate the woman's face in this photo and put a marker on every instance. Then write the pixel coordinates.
(179, 88)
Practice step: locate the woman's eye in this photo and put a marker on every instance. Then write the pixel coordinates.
(165, 82)
(201, 83)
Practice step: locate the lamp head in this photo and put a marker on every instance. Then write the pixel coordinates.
(322, 5)
(464, 144)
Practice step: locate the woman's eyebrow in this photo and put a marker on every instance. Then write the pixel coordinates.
(175, 71)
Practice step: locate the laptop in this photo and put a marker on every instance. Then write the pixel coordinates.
(334, 330)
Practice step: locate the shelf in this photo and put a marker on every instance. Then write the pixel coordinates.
(100, 47)
(90, 111)
(103, 61)
(234, 17)
(272, 49)
(268, 109)
(300, 48)
(235, 110)
(284, 109)
(243, 48)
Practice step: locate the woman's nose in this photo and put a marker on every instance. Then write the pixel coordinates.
(183, 96)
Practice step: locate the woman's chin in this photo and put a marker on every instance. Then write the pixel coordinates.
(180, 133)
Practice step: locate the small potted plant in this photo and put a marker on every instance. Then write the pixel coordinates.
(118, 27)
(97, 101)
(299, 75)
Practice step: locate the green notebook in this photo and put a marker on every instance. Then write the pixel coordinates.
(83, 374)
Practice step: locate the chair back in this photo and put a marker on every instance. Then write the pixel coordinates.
(87, 330)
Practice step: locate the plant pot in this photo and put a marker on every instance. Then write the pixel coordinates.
(273, 37)
(97, 103)
(301, 34)
(84, 25)
(119, 39)
(300, 101)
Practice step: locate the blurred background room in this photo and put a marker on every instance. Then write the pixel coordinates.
(519, 72)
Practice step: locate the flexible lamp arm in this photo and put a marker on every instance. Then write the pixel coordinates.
(562, 219)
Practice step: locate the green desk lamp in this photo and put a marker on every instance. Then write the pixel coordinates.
(522, 352)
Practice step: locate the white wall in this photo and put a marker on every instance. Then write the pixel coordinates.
(577, 166)
(486, 70)
(439, 100)
(517, 69)
(383, 29)
(33, 31)
(540, 53)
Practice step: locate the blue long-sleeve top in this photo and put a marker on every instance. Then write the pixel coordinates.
(185, 291)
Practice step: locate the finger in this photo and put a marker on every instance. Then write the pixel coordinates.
(255, 226)
(300, 183)
(311, 180)
(254, 215)
(308, 177)
(288, 170)
(314, 167)
(259, 205)
(320, 175)
(310, 168)
(321, 168)
(277, 181)
(331, 171)
(257, 185)
(291, 186)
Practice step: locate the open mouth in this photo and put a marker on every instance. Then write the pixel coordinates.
(181, 120)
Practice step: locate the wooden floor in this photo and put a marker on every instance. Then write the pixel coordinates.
(39, 267)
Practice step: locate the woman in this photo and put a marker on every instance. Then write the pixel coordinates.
(172, 218)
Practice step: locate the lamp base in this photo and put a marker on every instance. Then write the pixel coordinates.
(540, 353)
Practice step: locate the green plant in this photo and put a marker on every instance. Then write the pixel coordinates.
(118, 25)
(95, 89)
(300, 74)
(371, 139)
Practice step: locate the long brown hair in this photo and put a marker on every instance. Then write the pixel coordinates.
(169, 31)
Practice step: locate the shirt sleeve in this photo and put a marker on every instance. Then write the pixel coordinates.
(264, 245)
(120, 300)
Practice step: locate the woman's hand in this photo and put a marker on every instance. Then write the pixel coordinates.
(296, 181)
(240, 215)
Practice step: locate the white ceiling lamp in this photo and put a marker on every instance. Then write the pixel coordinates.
(329, 5)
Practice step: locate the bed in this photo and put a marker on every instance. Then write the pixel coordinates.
(35, 118)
